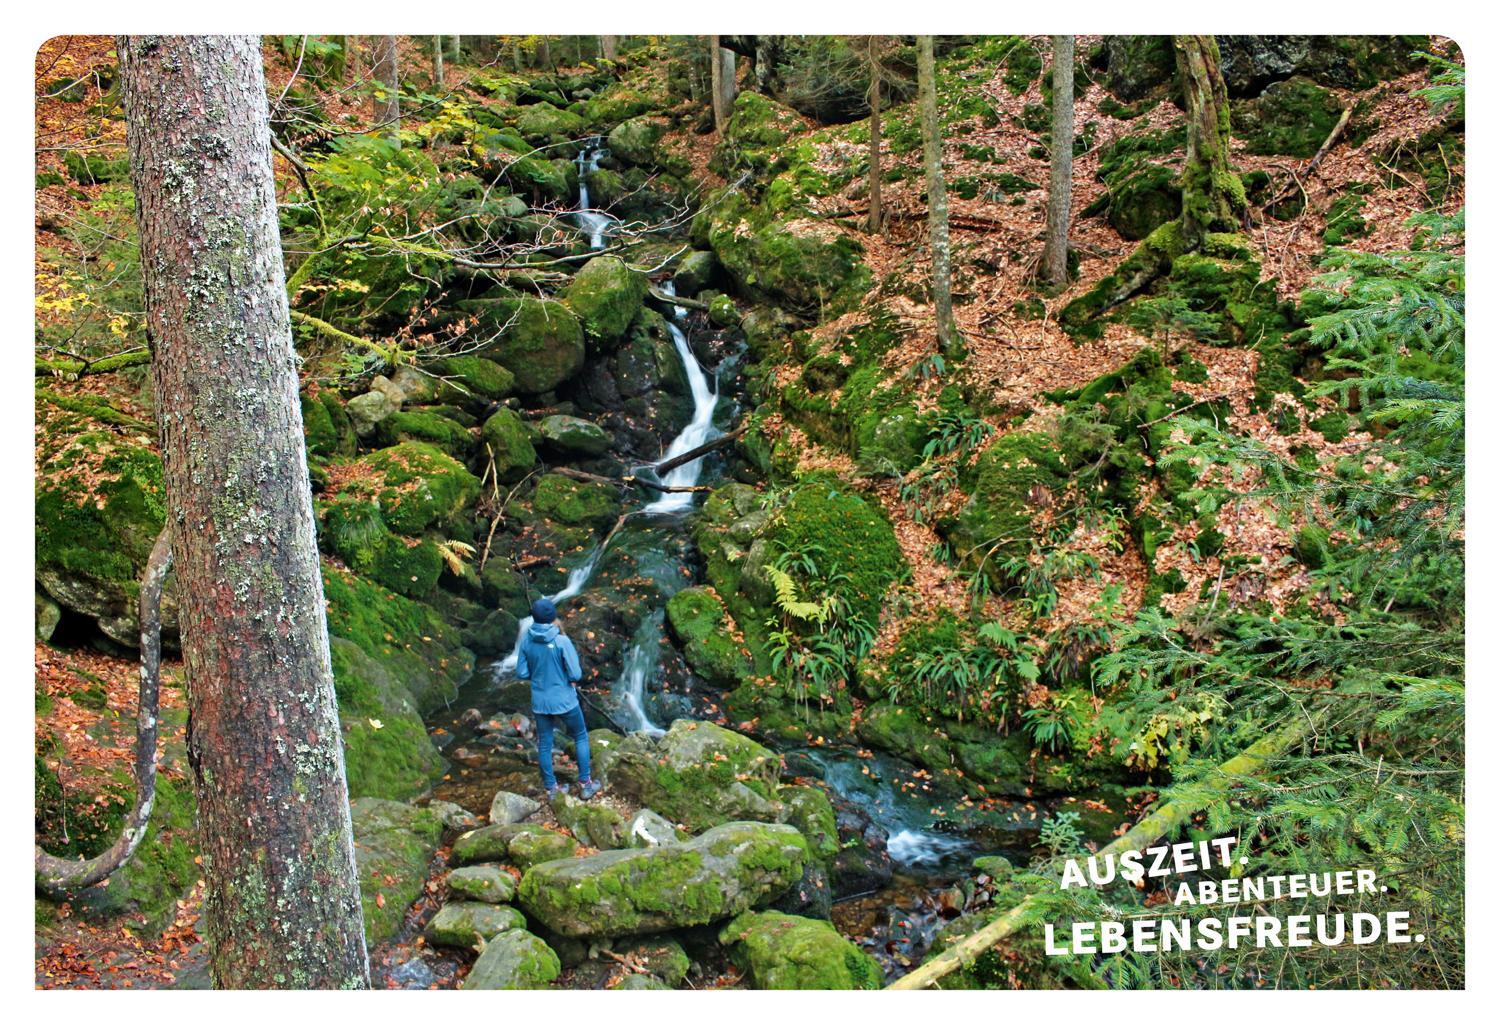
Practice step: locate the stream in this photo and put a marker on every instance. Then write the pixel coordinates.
(929, 841)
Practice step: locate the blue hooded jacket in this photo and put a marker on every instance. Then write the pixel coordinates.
(549, 660)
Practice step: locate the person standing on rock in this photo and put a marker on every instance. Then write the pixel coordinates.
(550, 662)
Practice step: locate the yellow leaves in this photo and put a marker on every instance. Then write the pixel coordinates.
(376, 724)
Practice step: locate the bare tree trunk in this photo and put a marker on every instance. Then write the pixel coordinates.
(610, 47)
(877, 214)
(455, 48)
(716, 84)
(282, 905)
(728, 78)
(1213, 198)
(949, 342)
(767, 54)
(353, 65)
(1060, 188)
(387, 86)
(437, 61)
(544, 55)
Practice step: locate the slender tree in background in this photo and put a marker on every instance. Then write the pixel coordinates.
(387, 85)
(716, 83)
(437, 61)
(282, 904)
(873, 50)
(949, 341)
(1060, 189)
(610, 47)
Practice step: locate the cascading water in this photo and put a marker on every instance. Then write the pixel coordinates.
(698, 431)
(590, 220)
(577, 579)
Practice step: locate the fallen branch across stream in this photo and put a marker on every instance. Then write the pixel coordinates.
(1159, 823)
(630, 478)
(668, 465)
(677, 300)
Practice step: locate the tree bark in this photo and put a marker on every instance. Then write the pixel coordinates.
(437, 61)
(610, 47)
(728, 78)
(1213, 197)
(282, 906)
(455, 48)
(1060, 188)
(58, 876)
(387, 86)
(716, 84)
(949, 341)
(877, 214)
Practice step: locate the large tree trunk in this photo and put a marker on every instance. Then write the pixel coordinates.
(1213, 197)
(387, 86)
(282, 906)
(716, 84)
(1060, 188)
(610, 47)
(437, 61)
(455, 48)
(949, 342)
(728, 77)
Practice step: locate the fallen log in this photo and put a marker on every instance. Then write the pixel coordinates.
(630, 478)
(668, 465)
(677, 300)
(1150, 829)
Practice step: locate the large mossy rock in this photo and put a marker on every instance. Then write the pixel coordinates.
(514, 960)
(1291, 117)
(393, 843)
(506, 158)
(487, 883)
(606, 294)
(543, 123)
(99, 507)
(481, 377)
(729, 869)
(695, 272)
(574, 436)
(509, 444)
(757, 135)
(541, 343)
(1138, 65)
(789, 952)
(701, 624)
(698, 774)
(575, 502)
(387, 752)
(1015, 477)
(416, 485)
(471, 924)
(638, 140)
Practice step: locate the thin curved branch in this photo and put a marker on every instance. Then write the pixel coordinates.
(57, 876)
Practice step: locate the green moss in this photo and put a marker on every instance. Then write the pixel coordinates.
(575, 502)
(541, 342)
(509, 444)
(1311, 546)
(387, 752)
(448, 435)
(393, 844)
(417, 486)
(1291, 117)
(483, 377)
(701, 624)
(782, 951)
(606, 295)
(103, 527)
(1344, 220)
(847, 536)
(1010, 479)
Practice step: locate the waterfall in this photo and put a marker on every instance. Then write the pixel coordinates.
(699, 430)
(578, 577)
(590, 220)
(640, 667)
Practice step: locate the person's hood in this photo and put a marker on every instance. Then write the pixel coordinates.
(543, 632)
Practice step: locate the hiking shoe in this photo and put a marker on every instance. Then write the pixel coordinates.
(590, 788)
(552, 793)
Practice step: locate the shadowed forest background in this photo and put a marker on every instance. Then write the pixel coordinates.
(923, 519)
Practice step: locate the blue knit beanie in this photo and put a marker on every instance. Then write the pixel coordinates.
(543, 611)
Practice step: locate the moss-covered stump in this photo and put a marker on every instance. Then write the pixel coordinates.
(698, 774)
(514, 960)
(729, 869)
(509, 445)
(487, 883)
(702, 625)
(471, 924)
(387, 752)
(595, 825)
(541, 343)
(99, 508)
(788, 952)
(573, 435)
(393, 842)
(575, 503)
(416, 485)
(606, 294)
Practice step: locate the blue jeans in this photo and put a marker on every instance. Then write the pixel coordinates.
(573, 720)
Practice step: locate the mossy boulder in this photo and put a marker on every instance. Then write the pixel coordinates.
(853, 539)
(387, 752)
(698, 774)
(606, 294)
(393, 843)
(575, 502)
(574, 436)
(509, 443)
(515, 959)
(483, 378)
(701, 624)
(415, 484)
(425, 425)
(1291, 117)
(757, 135)
(327, 425)
(780, 951)
(533, 845)
(695, 272)
(543, 123)
(521, 843)
(595, 825)
(729, 869)
(541, 343)
(810, 810)
(1138, 66)
(638, 140)
(489, 884)
(1015, 477)
(471, 924)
